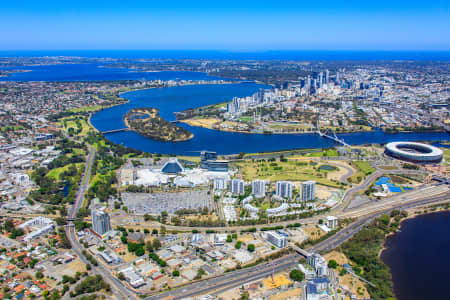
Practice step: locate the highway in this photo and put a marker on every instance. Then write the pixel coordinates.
(84, 184)
(118, 289)
(227, 280)
(237, 278)
(355, 227)
(350, 193)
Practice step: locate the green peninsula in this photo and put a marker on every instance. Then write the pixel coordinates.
(146, 121)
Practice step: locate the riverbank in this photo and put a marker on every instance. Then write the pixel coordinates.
(414, 213)
(118, 93)
(182, 98)
(417, 254)
(146, 121)
(365, 249)
(232, 126)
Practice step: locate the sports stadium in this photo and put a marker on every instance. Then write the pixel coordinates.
(414, 152)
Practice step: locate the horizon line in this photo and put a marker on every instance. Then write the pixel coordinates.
(235, 50)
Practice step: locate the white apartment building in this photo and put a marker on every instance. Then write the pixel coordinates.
(259, 188)
(308, 190)
(100, 221)
(284, 189)
(237, 187)
(220, 183)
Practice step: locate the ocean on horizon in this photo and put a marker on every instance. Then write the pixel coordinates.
(302, 55)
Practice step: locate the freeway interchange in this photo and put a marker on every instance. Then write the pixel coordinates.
(237, 278)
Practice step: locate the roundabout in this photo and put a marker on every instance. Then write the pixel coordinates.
(414, 152)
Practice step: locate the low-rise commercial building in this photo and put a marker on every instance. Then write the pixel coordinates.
(276, 239)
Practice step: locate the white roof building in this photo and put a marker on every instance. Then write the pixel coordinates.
(39, 225)
(150, 178)
(134, 279)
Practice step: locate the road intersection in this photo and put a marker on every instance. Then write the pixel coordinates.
(364, 215)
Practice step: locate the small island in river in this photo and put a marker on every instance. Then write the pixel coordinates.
(146, 121)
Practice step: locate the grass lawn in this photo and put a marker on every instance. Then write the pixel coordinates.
(325, 153)
(95, 178)
(246, 119)
(77, 151)
(289, 127)
(71, 123)
(100, 144)
(99, 178)
(364, 169)
(265, 205)
(297, 152)
(189, 158)
(364, 166)
(91, 108)
(220, 105)
(290, 170)
(56, 173)
(446, 153)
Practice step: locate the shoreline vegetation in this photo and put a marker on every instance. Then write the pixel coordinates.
(365, 249)
(231, 126)
(215, 124)
(417, 212)
(116, 98)
(147, 122)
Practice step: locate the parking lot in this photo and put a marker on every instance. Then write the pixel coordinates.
(144, 203)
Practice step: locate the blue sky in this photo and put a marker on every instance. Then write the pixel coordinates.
(230, 25)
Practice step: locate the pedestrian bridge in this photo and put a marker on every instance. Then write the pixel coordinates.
(332, 136)
(115, 130)
(300, 251)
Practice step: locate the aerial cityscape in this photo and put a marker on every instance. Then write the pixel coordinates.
(224, 151)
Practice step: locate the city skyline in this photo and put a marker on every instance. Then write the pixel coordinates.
(299, 25)
(224, 150)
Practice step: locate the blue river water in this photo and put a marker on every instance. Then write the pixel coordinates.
(169, 100)
(307, 55)
(418, 257)
(174, 99)
(95, 72)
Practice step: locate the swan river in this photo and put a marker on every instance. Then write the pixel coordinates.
(175, 99)
(417, 255)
